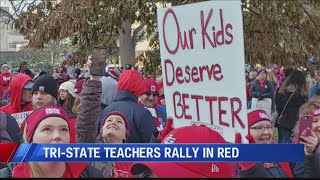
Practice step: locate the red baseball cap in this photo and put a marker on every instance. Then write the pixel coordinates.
(34, 119)
(257, 116)
(189, 135)
(150, 85)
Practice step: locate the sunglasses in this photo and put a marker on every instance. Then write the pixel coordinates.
(149, 94)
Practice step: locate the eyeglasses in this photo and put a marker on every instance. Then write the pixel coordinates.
(149, 94)
(260, 129)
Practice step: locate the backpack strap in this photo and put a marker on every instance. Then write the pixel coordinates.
(4, 136)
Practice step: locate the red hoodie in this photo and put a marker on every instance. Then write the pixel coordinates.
(132, 81)
(4, 82)
(73, 170)
(16, 90)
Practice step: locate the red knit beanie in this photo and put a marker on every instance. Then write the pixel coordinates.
(257, 116)
(34, 119)
(126, 123)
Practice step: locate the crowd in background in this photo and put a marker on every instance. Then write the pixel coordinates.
(123, 106)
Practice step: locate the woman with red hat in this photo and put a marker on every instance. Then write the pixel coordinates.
(260, 132)
(50, 125)
(114, 127)
(312, 107)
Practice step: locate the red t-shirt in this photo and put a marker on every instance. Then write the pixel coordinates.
(262, 83)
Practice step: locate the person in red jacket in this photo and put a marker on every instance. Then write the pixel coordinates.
(21, 95)
(45, 93)
(50, 125)
(5, 78)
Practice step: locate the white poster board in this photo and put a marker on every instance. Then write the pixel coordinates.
(263, 104)
(202, 58)
(20, 117)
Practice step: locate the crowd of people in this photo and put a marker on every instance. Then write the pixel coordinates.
(124, 107)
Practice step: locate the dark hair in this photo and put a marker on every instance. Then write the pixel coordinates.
(67, 103)
(287, 72)
(298, 80)
(128, 66)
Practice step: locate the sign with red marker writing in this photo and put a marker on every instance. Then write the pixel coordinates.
(202, 58)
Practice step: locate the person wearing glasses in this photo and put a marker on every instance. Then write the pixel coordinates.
(260, 132)
(149, 99)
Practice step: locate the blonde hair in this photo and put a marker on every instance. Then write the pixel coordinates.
(35, 170)
(75, 106)
(271, 76)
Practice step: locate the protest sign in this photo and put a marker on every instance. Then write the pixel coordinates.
(202, 58)
(20, 117)
(263, 104)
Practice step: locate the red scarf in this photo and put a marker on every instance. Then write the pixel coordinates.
(154, 114)
(262, 83)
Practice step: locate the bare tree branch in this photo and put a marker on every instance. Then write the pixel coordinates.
(4, 13)
(304, 9)
(136, 31)
(17, 9)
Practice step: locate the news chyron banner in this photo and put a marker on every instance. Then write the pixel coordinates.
(151, 152)
(202, 58)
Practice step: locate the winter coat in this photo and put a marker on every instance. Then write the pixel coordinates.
(4, 82)
(88, 112)
(284, 169)
(13, 129)
(314, 88)
(16, 90)
(290, 114)
(159, 118)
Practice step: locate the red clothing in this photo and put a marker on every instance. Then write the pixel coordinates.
(72, 123)
(123, 170)
(60, 81)
(132, 81)
(73, 170)
(248, 91)
(4, 82)
(16, 90)
(153, 110)
(262, 83)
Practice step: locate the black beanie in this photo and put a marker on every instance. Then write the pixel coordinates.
(47, 84)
